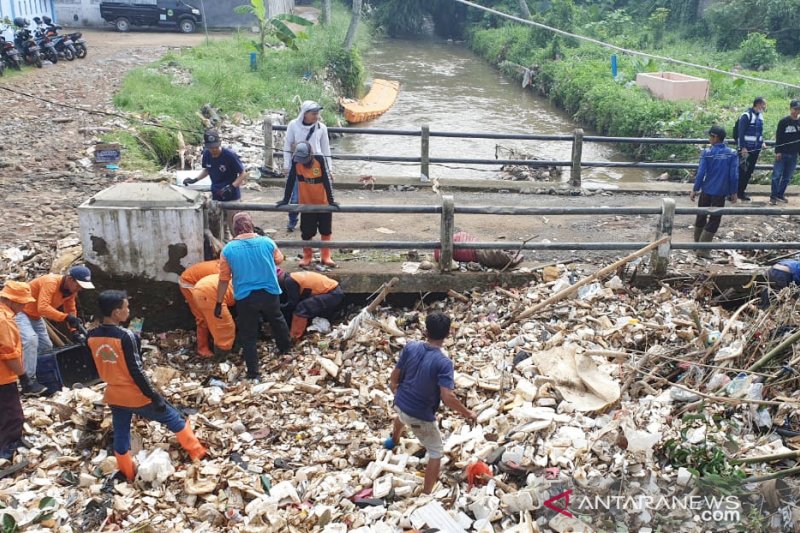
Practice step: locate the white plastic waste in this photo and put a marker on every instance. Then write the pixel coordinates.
(320, 324)
(155, 468)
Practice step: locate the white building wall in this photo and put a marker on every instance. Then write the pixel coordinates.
(26, 9)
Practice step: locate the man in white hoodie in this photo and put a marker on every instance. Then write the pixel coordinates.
(306, 127)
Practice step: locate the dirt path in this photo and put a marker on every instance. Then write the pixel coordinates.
(42, 183)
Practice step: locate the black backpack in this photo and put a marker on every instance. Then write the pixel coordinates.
(753, 117)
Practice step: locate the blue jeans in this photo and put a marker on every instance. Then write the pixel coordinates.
(121, 418)
(35, 341)
(293, 216)
(782, 172)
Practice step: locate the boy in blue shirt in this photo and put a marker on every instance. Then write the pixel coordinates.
(226, 171)
(717, 179)
(422, 378)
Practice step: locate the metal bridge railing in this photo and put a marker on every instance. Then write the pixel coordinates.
(447, 210)
(575, 163)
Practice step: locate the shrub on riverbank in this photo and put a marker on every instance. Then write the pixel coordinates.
(579, 80)
(218, 73)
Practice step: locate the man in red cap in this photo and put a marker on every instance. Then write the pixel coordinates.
(14, 296)
(55, 297)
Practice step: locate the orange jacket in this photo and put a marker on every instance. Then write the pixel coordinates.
(207, 287)
(49, 298)
(115, 351)
(10, 345)
(195, 273)
(315, 283)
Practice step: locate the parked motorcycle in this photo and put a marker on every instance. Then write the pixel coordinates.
(9, 55)
(63, 44)
(77, 39)
(46, 45)
(23, 40)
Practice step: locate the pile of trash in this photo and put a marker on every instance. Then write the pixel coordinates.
(610, 410)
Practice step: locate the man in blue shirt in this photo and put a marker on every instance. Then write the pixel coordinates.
(250, 262)
(421, 380)
(226, 171)
(717, 178)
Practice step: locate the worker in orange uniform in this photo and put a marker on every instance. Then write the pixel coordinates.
(55, 300)
(223, 329)
(116, 353)
(187, 281)
(308, 295)
(14, 296)
(314, 188)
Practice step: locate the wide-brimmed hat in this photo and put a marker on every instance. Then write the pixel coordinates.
(17, 291)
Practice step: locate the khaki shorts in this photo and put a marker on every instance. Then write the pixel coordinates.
(427, 433)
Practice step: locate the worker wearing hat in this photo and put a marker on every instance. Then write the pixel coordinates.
(313, 188)
(14, 296)
(55, 299)
(226, 171)
(307, 127)
(717, 179)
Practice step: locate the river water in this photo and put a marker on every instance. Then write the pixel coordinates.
(448, 87)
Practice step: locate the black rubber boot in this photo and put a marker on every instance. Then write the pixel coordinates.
(31, 387)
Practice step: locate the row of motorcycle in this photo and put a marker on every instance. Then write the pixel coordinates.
(43, 43)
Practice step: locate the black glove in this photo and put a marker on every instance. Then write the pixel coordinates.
(334, 204)
(73, 321)
(159, 404)
(227, 193)
(282, 202)
(189, 181)
(218, 310)
(78, 337)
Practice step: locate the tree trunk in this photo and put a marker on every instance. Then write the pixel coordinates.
(326, 12)
(524, 10)
(353, 29)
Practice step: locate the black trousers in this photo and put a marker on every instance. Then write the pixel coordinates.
(321, 305)
(710, 223)
(257, 304)
(746, 168)
(11, 417)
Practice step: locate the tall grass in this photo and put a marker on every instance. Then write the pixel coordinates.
(221, 76)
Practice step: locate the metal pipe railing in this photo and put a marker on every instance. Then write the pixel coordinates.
(447, 211)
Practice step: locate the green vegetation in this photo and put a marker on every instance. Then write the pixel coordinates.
(577, 77)
(220, 75)
(274, 27)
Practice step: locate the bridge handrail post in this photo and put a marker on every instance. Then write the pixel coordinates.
(269, 147)
(425, 151)
(659, 260)
(577, 155)
(447, 231)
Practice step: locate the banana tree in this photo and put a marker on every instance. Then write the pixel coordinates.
(274, 26)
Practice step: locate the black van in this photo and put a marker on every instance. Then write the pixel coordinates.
(162, 13)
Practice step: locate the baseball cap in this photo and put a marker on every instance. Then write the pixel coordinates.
(314, 107)
(302, 154)
(718, 131)
(17, 291)
(211, 139)
(82, 276)
(794, 104)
